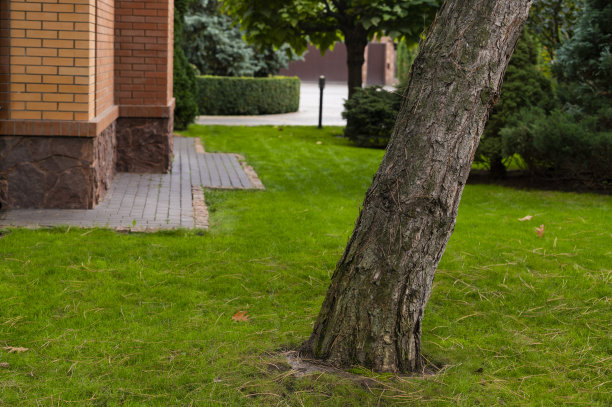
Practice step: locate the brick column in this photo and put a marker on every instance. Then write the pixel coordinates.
(68, 69)
(143, 84)
(55, 150)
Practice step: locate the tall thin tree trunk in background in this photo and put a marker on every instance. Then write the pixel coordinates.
(356, 40)
(374, 306)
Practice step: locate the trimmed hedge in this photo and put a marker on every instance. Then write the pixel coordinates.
(223, 95)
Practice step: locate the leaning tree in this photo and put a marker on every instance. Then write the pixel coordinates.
(374, 306)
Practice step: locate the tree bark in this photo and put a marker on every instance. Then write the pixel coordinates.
(356, 40)
(372, 313)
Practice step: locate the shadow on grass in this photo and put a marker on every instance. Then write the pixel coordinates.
(524, 180)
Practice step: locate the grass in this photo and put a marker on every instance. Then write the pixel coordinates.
(145, 319)
(513, 163)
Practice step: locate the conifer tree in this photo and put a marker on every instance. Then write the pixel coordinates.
(524, 86)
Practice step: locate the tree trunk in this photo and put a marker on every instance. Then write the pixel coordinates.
(374, 306)
(497, 167)
(355, 39)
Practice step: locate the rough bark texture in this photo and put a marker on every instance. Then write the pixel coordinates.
(56, 172)
(373, 310)
(144, 145)
(356, 40)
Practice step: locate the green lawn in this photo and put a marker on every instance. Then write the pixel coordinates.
(145, 319)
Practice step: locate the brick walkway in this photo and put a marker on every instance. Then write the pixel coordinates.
(148, 202)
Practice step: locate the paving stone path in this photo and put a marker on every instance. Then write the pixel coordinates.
(149, 202)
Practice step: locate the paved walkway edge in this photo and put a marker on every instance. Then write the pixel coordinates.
(250, 172)
(200, 210)
(152, 202)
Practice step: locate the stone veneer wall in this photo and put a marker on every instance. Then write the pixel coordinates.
(144, 145)
(56, 172)
(105, 164)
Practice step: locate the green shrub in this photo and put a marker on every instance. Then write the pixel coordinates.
(370, 115)
(575, 139)
(222, 95)
(184, 82)
(405, 58)
(524, 85)
(184, 91)
(562, 143)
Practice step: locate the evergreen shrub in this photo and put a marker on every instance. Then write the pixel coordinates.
(575, 139)
(184, 82)
(184, 91)
(524, 85)
(371, 115)
(405, 58)
(561, 144)
(214, 43)
(222, 95)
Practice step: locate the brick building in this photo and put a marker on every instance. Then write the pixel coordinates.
(85, 90)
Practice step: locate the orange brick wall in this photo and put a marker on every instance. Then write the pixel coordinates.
(71, 67)
(170, 73)
(4, 59)
(143, 52)
(52, 59)
(105, 55)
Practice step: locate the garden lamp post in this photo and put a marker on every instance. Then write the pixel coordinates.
(321, 87)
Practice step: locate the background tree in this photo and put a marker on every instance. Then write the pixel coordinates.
(575, 140)
(584, 62)
(374, 306)
(524, 85)
(214, 44)
(552, 21)
(325, 22)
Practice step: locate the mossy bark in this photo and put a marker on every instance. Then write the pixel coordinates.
(373, 310)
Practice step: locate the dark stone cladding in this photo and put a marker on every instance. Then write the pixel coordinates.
(56, 172)
(144, 145)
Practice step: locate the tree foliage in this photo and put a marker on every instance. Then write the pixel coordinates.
(552, 21)
(214, 44)
(524, 85)
(585, 61)
(324, 23)
(575, 139)
(405, 58)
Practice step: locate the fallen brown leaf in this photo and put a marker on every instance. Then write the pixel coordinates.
(12, 349)
(526, 218)
(241, 316)
(540, 230)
